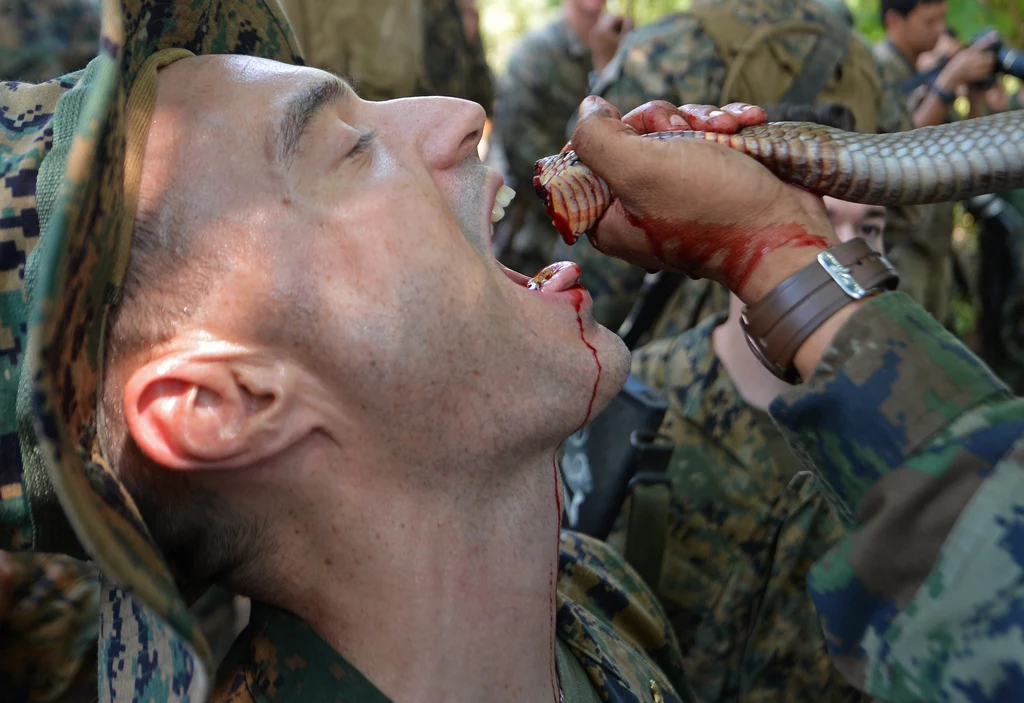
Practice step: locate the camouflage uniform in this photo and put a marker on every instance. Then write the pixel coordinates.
(745, 525)
(676, 59)
(547, 78)
(918, 449)
(606, 617)
(62, 242)
(43, 39)
(901, 423)
(455, 66)
(924, 256)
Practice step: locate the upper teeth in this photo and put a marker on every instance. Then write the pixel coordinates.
(501, 201)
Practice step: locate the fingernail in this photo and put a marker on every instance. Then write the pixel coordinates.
(677, 121)
(747, 107)
(593, 105)
(715, 113)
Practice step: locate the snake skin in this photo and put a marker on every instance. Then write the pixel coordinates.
(927, 165)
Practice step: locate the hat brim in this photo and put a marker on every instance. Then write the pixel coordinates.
(79, 264)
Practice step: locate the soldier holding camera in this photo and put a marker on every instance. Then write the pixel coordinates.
(913, 29)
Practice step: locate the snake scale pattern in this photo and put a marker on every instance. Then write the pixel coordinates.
(927, 165)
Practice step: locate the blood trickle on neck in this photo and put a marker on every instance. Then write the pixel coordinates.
(577, 301)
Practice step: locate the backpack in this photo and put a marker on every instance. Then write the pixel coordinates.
(762, 70)
(377, 44)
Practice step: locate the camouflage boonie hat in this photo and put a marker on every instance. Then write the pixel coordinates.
(65, 224)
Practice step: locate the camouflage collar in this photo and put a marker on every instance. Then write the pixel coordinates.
(574, 45)
(281, 659)
(894, 53)
(278, 658)
(708, 398)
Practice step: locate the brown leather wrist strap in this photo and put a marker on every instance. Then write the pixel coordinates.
(780, 322)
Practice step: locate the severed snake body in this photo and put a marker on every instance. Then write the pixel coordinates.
(927, 165)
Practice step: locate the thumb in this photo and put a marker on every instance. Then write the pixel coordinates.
(603, 142)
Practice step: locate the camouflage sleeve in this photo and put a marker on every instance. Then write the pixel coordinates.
(49, 621)
(918, 448)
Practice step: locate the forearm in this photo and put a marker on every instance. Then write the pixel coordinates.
(916, 445)
(932, 111)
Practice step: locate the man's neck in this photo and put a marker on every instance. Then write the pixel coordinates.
(581, 23)
(435, 599)
(905, 51)
(756, 384)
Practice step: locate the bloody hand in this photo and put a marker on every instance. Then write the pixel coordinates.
(689, 205)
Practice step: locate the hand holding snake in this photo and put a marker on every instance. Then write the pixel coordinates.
(687, 204)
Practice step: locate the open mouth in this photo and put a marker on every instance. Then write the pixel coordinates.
(553, 278)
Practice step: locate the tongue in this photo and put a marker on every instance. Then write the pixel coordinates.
(556, 278)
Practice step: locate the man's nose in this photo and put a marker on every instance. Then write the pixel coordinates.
(447, 130)
(844, 230)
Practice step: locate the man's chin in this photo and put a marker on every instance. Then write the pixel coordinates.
(615, 365)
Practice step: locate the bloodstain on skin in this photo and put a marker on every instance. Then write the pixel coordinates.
(733, 251)
(551, 577)
(577, 301)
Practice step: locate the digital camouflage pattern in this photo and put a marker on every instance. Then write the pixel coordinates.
(63, 253)
(44, 39)
(895, 391)
(678, 59)
(49, 618)
(923, 254)
(920, 450)
(606, 616)
(547, 78)
(746, 523)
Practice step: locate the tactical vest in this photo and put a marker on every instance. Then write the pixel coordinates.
(761, 69)
(378, 44)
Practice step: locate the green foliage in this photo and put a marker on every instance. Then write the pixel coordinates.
(504, 21)
(968, 17)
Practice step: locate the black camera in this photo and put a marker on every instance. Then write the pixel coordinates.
(1010, 61)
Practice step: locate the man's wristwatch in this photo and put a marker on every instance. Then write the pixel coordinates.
(780, 322)
(946, 96)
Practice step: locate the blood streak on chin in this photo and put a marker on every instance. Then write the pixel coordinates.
(737, 251)
(577, 301)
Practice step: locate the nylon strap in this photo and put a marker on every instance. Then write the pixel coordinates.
(821, 64)
(648, 531)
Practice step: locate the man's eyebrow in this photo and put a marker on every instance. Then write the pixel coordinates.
(299, 113)
(875, 212)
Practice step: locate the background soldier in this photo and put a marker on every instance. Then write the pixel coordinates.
(720, 51)
(396, 48)
(549, 73)
(914, 27)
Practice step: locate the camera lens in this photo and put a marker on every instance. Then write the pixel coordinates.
(1012, 62)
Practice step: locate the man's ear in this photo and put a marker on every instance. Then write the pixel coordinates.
(890, 18)
(212, 408)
